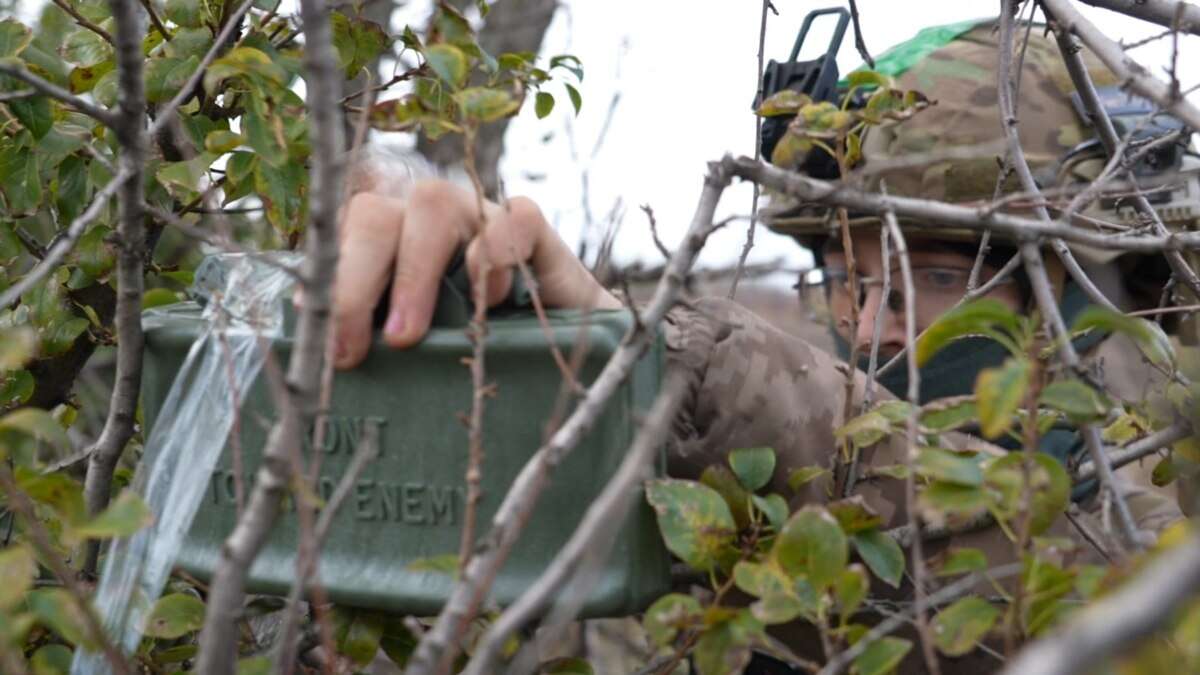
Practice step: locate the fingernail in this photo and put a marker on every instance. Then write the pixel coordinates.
(395, 323)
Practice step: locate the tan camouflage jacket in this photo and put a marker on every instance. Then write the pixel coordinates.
(752, 385)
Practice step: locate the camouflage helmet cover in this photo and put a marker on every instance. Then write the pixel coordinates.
(960, 79)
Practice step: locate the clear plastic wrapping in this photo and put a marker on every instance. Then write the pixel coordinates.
(242, 313)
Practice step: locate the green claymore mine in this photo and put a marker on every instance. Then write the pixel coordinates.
(407, 505)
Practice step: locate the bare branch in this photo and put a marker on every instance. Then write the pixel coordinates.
(934, 215)
(1118, 620)
(594, 536)
(1136, 450)
(859, 43)
(1161, 12)
(1132, 74)
(130, 276)
(102, 115)
(911, 439)
(514, 511)
(218, 638)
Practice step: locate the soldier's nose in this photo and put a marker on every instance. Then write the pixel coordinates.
(891, 330)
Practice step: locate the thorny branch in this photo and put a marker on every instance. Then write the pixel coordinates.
(514, 511)
(218, 637)
(131, 251)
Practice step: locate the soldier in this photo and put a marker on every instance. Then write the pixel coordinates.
(752, 385)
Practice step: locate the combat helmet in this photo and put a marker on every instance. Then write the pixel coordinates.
(952, 149)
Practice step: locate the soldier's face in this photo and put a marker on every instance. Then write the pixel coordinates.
(940, 276)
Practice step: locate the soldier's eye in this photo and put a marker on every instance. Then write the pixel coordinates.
(942, 279)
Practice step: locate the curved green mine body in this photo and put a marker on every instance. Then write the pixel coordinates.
(408, 504)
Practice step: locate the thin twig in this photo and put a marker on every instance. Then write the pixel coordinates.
(662, 249)
(859, 43)
(758, 78)
(83, 21)
(910, 490)
(155, 21)
(1162, 12)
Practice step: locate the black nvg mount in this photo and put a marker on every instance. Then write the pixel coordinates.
(817, 78)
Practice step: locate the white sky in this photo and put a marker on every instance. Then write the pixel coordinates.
(685, 73)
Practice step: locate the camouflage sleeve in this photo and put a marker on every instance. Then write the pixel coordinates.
(752, 385)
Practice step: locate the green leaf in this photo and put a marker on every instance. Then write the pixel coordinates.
(1051, 488)
(282, 191)
(73, 188)
(786, 102)
(37, 424)
(35, 113)
(959, 627)
(18, 570)
(17, 346)
(51, 660)
(247, 62)
(359, 639)
(869, 78)
(221, 141)
(486, 105)
(731, 490)
(186, 13)
(14, 38)
(175, 654)
(981, 317)
(949, 414)
(695, 521)
(949, 466)
(174, 616)
(576, 99)
(124, 516)
(165, 76)
(448, 62)
(850, 589)
(446, 564)
(1165, 472)
(724, 649)
(157, 297)
(543, 104)
(798, 478)
(398, 642)
(882, 656)
(16, 387)
(568, 62)
(753, 466)
(811, 543)
(1147, 335)
(774, 507)
(668, 615)
(865, 430)
(260, 134)
(358, 42)
(105, 91)
(1077, 400)
(566, 665)
(85, 48)
(57, 610)
(189, 42)
(882, 554)
(182, 179)
(962, 561)
(998, 393)
(254, 665)
(953, 498)
(854, 515)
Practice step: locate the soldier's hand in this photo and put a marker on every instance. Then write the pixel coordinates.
(411, 241)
